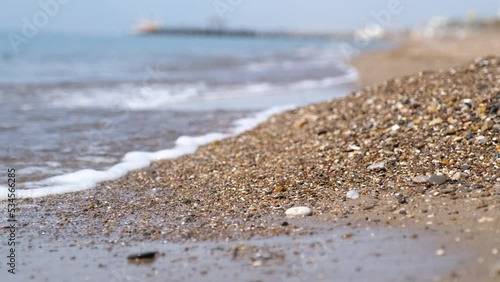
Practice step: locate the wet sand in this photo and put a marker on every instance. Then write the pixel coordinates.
(225, 205)
(340, 253)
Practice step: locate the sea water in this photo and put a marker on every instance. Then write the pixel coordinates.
(78, 109)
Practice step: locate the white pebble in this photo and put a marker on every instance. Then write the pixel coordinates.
(298, 211)
(377, 166)
(420, 179)
(457, 176)
(352, 194)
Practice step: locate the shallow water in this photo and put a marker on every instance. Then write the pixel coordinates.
(83, 102)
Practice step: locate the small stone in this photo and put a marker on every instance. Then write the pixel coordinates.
(457, 175)
(468, 102)
(481, 140)
(450, 131)
(437, 179)
(487, 125)
(420, 179)
(440, 252)
(469, 135)
(257, 263)
(494, 108)
(401, 198)
(485, 219)
(347, 236)
(300, 123)
(351, 148)
(147, 257)
(377, 166)
(465, 167)
(321, 132)
(298, 212)
(435, 121)
(352, 194)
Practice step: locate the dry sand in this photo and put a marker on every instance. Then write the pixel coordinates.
(416, 55)
(232, 194)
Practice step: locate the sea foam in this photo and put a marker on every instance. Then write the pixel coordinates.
(89, 178)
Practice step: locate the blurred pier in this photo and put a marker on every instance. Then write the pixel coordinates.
(154, 29)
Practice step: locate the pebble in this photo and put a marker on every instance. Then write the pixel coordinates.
(435, 122)
(440, 252)
(465, 167)
(496, 128)
(352, 194)
(420, 179)
(457, 176)
(322, 132)
(488, 124)
(377, 166)
(300, 123)
(298, 211)
(351, 148)
(401, 198)
(437, 179)
(485, 219)
(146, 257)
(469, 102)
(481, 140)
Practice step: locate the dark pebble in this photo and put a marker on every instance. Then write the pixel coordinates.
(321, 132)
(494, 108)
(285, 223)
(143, 257)
(447, 190)
(368, 207)
(466, 190)
(477, 186)
(401, 199)
(469, 136)
(465, 167)
(437, 179)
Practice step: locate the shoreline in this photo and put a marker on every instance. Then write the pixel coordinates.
(238, 189)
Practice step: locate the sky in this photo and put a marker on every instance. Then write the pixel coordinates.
(119, 16)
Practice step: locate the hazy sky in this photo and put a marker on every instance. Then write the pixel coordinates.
(118, 16)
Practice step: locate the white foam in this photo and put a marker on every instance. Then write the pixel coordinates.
(163, 97)
(89, 178)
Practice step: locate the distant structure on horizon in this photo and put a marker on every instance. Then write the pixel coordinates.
(217, 28)
(147, 26)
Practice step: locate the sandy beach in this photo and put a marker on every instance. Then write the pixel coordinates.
(418, 154)
(416, 54)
